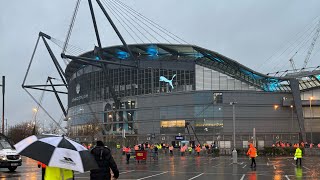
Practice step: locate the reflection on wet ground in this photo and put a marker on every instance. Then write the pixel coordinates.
(191, 167)
(29, 170)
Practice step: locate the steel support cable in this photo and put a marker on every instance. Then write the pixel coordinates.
(32, 56)
(40, 101)
(303, 33)
(75, 12)
(314, 54)
(34, 99)
(294, 49)
(308, 27)
(303, 38)
(126, 13)
(152, 29)
(283, 71)
(124, 19)
(71, 48)
(307, 41)
(300, 45)
(59, 44)
(123, 12)
(303, 41)
(120, 21)
(153, 23)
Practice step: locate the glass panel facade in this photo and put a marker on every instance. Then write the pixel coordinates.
(207, 79)
(128, 82)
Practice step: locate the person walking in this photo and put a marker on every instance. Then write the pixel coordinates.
(55, 173)
(190, 150)
(155, 152)
(252, 153)
(171, 150)
(198, 149)
(298, 155)
(123, 150)
(128, 151)
(182, 150)
(105, 161)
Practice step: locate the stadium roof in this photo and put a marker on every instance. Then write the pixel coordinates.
(203, 57)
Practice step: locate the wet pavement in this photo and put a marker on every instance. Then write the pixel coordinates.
(190, 167)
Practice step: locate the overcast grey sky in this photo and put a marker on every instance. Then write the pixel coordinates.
(249, 31)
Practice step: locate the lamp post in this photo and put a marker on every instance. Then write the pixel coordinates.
(291, 106)
(3, 92)
(234, 152)
(311, 98)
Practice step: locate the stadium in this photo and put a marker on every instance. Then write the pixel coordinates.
(175, 92)
(176, 86)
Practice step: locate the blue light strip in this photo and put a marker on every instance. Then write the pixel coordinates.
(272, 85)
(217, 59)
(250, 74)
(122, 55)
(152, 51)
(318, 77)
(198, 55)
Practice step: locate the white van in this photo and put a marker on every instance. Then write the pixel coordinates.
(8, 155)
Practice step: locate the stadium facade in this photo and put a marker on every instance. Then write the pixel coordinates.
(176, 84)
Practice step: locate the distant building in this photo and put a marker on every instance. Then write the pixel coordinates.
(176, 84)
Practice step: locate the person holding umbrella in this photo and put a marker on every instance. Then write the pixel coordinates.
(58, 153)
(105, 161)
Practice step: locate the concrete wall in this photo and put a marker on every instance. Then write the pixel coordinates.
(253, 110)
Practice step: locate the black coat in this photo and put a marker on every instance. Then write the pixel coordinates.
(105, 161)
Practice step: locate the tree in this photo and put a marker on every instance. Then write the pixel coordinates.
(20, 131)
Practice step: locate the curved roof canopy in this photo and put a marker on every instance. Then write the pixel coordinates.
(200, 56)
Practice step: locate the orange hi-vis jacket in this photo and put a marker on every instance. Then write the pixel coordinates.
(42, 165)
(198, 149)
(182, 149)
(127, 150)
(252, 152)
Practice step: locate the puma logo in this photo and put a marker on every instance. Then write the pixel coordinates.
(164, 79)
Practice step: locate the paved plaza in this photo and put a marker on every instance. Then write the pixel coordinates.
(190, 167)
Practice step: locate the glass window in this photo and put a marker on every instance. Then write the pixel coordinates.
(217, 98)
(133, 104)
(5, 145)
(173, 123)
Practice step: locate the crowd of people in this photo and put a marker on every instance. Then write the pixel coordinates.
(105, 161)
(183, 149)
(295, 145)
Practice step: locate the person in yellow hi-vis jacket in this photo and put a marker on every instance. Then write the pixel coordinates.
(298, 155)
(55, 173)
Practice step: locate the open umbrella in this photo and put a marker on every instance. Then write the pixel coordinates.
(57, 151)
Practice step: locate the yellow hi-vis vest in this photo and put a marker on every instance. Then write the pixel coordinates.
(55, 173)
(298, 153)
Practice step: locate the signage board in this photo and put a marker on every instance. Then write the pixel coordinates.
(180, 138)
